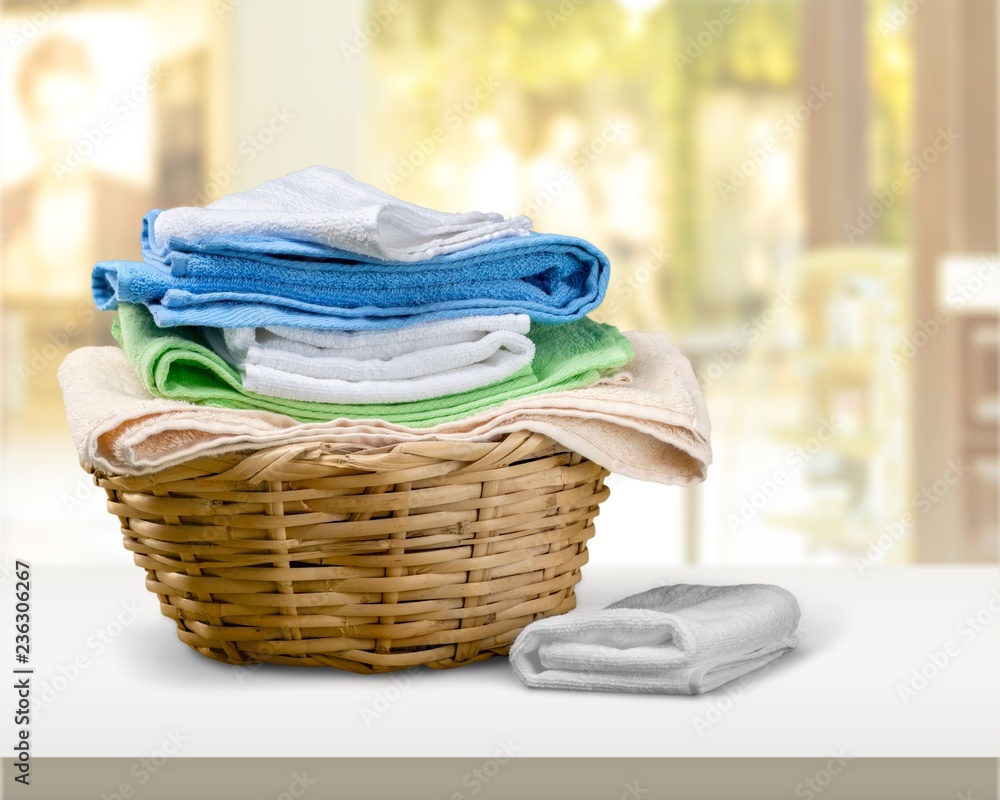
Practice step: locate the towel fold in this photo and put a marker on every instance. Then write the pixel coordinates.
(177, 363)
(674, 640)
(329, 207)
(258, 282)
(648, 423)
(432, 359)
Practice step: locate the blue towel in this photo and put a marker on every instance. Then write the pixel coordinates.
(261, 281)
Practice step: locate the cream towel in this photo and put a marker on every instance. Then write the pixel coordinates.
(426, 360)
(648, 423)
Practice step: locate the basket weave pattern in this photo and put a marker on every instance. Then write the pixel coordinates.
(437, 555)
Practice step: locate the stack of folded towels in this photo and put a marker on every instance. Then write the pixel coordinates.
(318, 308)
(321, 298)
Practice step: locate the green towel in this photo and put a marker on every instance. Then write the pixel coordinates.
(176, 363)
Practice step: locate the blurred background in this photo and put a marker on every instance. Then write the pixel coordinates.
(802, 193)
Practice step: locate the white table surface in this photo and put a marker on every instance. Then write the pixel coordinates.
(861, 636)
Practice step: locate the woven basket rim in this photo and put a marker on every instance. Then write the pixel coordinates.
(265, 463)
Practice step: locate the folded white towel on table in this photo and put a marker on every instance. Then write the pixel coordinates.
(327, 206)
(430, 359)
(673, 640)
(649, 422)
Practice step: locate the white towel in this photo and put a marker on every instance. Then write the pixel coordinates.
(432, 359)
(327, 206)
(648, 423)
(671, 640)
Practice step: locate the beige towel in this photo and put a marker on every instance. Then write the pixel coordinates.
(649, 422)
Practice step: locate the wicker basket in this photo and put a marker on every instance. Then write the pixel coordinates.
(438, 553)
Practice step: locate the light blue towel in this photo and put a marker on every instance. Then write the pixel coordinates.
(232, 282)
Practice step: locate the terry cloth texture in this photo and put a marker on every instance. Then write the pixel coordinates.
(649, 422)
(431, 359)
(327, 206)
(245, 282)
(674, 640)
(177, 363)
